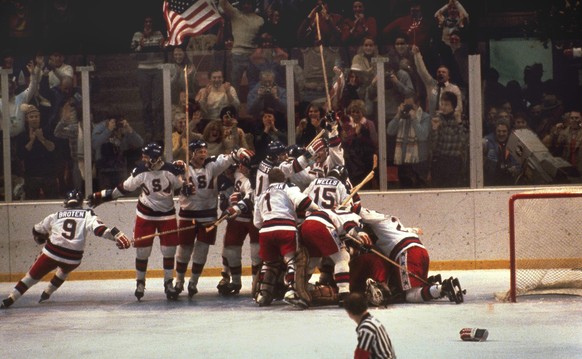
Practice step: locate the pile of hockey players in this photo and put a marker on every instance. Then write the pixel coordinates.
(309, 216)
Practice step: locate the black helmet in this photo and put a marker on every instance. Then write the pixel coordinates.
(339, 172)
(274, 149)
(295, 151)
(195, 145)
(73, 199)
(153, 150)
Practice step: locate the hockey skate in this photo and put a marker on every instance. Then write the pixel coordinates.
(231, 289)
(169, 289)
(435, 279)
(6, 303)
(341, 298)
(223, 284)
(192, 290)
(264, 298)
(291, 297)
(44, 296)
(451, 288)
(139, 289)
(179, 287)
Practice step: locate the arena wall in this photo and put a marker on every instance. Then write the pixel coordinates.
(463, 229)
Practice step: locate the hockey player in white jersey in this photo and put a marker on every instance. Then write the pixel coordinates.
(277, 158)
(275, 215)
(330, 191)
(199, 204)
(403, 246)
(155, 212)
(64, 234)
(239, 225)
(321, 234)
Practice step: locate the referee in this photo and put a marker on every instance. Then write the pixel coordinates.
(373, 340)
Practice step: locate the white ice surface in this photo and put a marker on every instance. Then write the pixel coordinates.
(102, 319)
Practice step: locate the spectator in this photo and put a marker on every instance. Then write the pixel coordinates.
(567, 140)
(309, 126)
(357, 28)
(234, 136)
(36, 151)
(449, 144)
(267, 133)
(436, 87)
(362, 62)
(533, 85)
(216, 95)
(267, 94)
(397, 85)
(179, 138)
(111, 140)
(494, 92)
(58, 69)
(360, 141)
(411, 126)
(177, 76)
(214, 136)
(309, 77)
(520, 121)
(70, 128)
(412, 24)
(267, 57)
(245, 27)
(515, 96)
(147, 48)
(499, 166)
(490, 119)
(450, 18)
(373, 340)
(329, 27)
(276, 27)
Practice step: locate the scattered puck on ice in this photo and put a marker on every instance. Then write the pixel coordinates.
(474, 334)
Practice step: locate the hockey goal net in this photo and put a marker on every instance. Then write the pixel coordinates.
(545, 243)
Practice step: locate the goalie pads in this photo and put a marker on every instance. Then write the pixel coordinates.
(323, 295)
(378, 294)
(39, 238)
(301, 259)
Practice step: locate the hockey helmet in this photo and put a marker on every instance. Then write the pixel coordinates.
(73, 199)
(154, 151)
(340, 172)
(274, 149)
(196, 145)
(295, 151)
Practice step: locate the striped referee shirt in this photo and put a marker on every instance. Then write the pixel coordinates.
(373, 340)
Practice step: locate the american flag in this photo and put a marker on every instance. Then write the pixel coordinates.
(188, 18)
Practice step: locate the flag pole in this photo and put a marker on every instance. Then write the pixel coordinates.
(187, 164)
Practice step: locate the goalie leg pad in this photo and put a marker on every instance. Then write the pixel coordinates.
(301, 275)
(267, 279)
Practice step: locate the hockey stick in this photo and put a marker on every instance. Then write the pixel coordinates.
(361, 184)
(381, 255)
(324, 70)
(216, 223)
(162, 233)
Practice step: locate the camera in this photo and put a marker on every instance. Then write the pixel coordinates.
(406, 110)
(119, 124)
(318, 8)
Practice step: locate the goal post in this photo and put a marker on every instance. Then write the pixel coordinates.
(545, 243)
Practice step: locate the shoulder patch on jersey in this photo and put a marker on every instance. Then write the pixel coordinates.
(140, 168)
(210, 159)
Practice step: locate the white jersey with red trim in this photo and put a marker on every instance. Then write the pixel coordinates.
(289, 168)
(156, 201)
(277, 207)
(339, 222)
(328, 192)
(242, 184)
(335, 157)
(68, 230)
(202, 205)
(393, 237)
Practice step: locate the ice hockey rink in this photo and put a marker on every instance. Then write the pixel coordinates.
(102, 319)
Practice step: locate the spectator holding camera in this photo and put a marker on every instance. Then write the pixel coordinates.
(435, 87)
(110, 140)
(267, 94)
(411, 127)
(566, 139)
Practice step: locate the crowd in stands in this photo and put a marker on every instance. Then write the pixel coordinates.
(242, 102)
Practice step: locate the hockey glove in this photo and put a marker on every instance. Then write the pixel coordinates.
(98, 198)
(179, 166)
(242, 155)
(315, 147)
(121, 239)
(235, 198)
(187, 189)
(233, 211)
(39, 238)
(474, 334)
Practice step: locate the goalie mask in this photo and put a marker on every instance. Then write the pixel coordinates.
(73, 199)
(152, 156)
